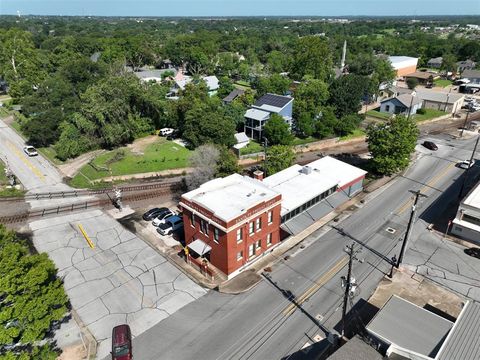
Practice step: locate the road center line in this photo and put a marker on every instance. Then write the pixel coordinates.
(22, 157)
(321, 281)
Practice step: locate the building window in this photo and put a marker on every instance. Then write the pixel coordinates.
(471, 219)
(215, 235)
(251, 227)
(269, 239)
(239, 255)
(192, 219)
(258, 245)
(203, 226)
(387, 108)
(259, 224)
(270, 217)
(239, 235)
(251, 250)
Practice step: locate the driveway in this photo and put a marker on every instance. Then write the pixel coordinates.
(120, 280)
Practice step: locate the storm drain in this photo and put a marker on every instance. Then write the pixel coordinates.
(390, 230)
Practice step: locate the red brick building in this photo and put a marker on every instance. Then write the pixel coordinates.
(231, 221)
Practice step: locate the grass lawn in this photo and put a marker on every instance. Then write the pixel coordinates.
(378, 114)
(253, 147)
(4, 112)
(243, 83)
(442, 82)
(430, 114)
(16, 126)
(356, 133)
(50, 154)
(162, 155)
(299, 141)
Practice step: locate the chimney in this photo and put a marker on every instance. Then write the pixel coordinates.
(307, 170)
(258, 175)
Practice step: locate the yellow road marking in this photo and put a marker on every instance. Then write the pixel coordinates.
(407, 204)
(85, 235)
(321, 281)
(22, 157)
(139, 295)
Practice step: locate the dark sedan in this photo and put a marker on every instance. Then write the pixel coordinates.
(153, 213)
(430, 145)
(475, 252)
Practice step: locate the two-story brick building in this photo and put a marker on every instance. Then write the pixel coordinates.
(231, 221)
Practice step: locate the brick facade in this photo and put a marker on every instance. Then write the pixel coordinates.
(222, 236)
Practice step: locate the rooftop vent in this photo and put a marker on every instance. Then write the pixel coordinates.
(307, 170)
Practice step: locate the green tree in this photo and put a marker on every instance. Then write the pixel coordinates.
(277, 61)
(347, 92)
(277, 131)
(31, 296)
(227, 163)
(412, 83)
(312, 57)
(275, 84)
(347, 124)
(310, 97)
(449, 63)
(391, 144)
(279, 157)
(326, 124)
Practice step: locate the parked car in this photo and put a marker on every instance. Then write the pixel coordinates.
(153, 213)
(166, 131)
(30, 150)
(466, 164)
(430, 145)
(172, 224)
(474, 107)
(174, 135)
(160, 219)
(475, 252)
(122, 343)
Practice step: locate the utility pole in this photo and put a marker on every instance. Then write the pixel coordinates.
(265, 146)
(410, 108)
(468, 167)
(348, 283)
(417, 194)
(465, 123)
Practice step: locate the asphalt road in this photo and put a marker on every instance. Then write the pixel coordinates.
(263, 323)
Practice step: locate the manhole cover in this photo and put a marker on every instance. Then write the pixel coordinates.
(319, 317)
(390, 230)
(318, 338)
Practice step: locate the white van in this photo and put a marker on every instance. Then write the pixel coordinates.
(166, 131)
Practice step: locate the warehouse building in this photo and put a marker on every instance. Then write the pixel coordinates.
(467, 222)
(403, 65)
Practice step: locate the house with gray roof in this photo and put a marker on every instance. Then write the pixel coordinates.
(435, 63)
(465, 65)
(233, 95)
(403, 104)
(472, 75)
(444, 101)
(257, 116)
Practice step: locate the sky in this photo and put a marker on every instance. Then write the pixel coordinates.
(240, 7)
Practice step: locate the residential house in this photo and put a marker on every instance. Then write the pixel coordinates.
(423, 77)
(435, 63)
(181, 81)
(465, 65)
(403, 64)
(390, 91)
(403, 104)
(257, 116)
(443, 101)
(472, 75)
(151, 75)
(233, 95)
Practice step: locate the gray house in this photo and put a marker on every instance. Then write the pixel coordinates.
(472, 75)
(435, 63)
(465, 65)
(403, 104)
(257, 116)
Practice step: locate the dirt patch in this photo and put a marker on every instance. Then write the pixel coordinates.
(138, 146)
(72, 166)
(419, 291)
(74, 352)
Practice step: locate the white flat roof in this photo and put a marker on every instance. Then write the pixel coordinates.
(231, 196)
(473, 198)
(257, 114)
(298, 187)
(200, 247)
(399, 62)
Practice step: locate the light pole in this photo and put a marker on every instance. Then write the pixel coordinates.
(349, 283)
(465, 123)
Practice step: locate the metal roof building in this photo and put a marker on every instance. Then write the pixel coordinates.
(355, 349)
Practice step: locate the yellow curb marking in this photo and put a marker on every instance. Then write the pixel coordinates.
(85, 235)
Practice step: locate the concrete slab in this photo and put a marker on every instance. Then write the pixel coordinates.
(121, 280)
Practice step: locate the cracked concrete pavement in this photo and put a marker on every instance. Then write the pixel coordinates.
(121, 280)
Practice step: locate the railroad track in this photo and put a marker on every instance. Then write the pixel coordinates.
(78, 193)
(24, 216)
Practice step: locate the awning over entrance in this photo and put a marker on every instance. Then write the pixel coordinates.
(199, 247)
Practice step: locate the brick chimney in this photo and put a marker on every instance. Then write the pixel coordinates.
(258, 174)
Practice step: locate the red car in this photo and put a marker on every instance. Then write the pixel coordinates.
(121, 343)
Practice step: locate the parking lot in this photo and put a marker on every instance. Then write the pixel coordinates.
(120, 280)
